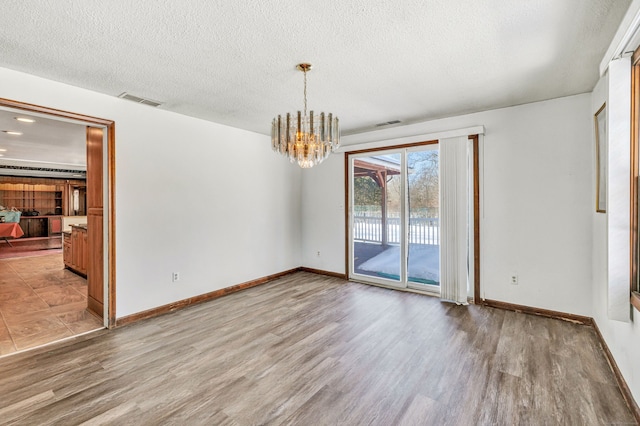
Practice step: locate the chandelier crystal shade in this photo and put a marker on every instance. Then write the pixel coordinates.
(306, 139)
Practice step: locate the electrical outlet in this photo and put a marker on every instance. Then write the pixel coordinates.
(514, 279)
(175, 276)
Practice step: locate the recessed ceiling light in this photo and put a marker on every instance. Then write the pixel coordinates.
(26, 120)
(11, 132)
(3, 150)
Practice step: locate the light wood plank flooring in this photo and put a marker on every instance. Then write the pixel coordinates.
(312, 350)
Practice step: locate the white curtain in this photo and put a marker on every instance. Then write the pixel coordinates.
(618, 187)
(454, 219)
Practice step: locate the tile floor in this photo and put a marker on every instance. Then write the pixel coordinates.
(41, 302)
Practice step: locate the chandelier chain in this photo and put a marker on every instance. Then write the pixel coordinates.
(305, 92)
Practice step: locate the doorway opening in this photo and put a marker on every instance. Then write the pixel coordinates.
(85, 204)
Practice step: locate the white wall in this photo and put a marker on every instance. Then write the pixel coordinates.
(536, 202)
(323, 213)
(598, 221)
(622, 338)
(209, 201)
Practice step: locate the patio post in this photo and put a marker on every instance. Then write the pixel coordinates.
(382, 179)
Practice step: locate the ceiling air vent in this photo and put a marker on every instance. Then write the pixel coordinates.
(387, 123)
(139, 100)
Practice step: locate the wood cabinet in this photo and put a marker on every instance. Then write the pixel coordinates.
(84, 255)
(75, 250)
(95, 220)
(66, 250)
(33, 226)
(55, 225)
(47, 196)
(45, 199)
(41, 226)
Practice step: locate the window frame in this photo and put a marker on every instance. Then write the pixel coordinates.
(634, 238)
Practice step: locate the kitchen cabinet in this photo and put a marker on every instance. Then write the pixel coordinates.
(75, 249)
(47, 196)
(66, 249)
(41, 226)
(96, 221)
(55, 225)
(45, 199)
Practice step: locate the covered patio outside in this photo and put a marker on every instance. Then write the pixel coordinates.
(376, 227)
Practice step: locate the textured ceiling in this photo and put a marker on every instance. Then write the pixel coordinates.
(233, 62)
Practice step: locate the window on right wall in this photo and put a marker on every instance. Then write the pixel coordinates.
(635, 162)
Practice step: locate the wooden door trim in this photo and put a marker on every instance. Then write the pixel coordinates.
(111, 222)
(52, 111)
(633, 178)
(476, 220)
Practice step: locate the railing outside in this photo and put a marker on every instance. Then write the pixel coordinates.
(421, 230)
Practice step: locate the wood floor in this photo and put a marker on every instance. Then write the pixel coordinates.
(313, 350)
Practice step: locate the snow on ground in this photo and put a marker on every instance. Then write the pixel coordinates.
(424, 262)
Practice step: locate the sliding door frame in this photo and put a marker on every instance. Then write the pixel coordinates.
(412, 285)
(476, 207)
(401, 283)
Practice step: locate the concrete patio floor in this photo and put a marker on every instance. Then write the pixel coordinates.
(376, 260)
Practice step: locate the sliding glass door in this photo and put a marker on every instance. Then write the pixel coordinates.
(394, 211)
(376, 211)
(423, 216)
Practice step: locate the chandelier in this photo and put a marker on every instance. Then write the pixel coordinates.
(305, 139)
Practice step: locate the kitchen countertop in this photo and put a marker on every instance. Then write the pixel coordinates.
(79, 225)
